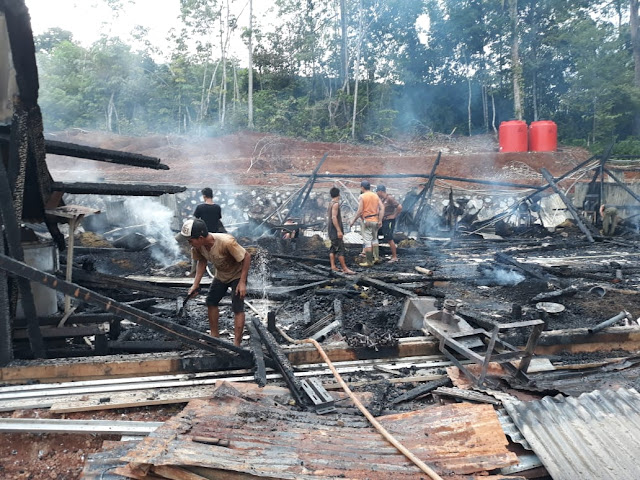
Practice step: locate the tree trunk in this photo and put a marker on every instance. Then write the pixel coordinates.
(535, 98)
(250, 91)
(516, 65)
(485, 109)
(469, 105)
(493, 113)
(356, 73)
(344, 52)
(634, 24)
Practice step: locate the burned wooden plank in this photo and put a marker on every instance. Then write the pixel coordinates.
(258, 357)
(284, 292)
(104, 280)
(302, 259)
(75, 150)
(545, 296)
(459, 439)
(103, 155)
(281, 362)
(127, 189)
(420, 390)
(576, 216)
(14, 248)
(302, 197)
(147, 346)
(182, 333)
(63, 332)
(385, 287)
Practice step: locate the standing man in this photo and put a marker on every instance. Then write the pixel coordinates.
(370, 209)
(391, 211)
(336, 232)
(232, 268)
(210, 212)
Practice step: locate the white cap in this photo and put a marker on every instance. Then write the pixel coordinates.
(186, 228)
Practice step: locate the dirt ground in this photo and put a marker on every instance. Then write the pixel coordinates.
(263, 160)
(251, 158)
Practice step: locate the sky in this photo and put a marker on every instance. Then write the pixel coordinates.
(87, 20)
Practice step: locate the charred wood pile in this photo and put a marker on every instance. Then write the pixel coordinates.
(505, 313)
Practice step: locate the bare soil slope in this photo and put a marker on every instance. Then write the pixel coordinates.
(251, 158)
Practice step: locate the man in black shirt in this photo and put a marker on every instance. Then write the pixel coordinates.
(210, 212)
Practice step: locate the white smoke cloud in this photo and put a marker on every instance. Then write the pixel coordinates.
(156, 219)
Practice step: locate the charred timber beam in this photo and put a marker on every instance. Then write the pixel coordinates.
(303, 259)
(127, 189)
(576, 216)
(256, 349)
(67, 149)
(103, 280)
(418, 175)
(281, 362)
(78, 318)
(421, 390)
(142, 347)
(9, 221)
(184, 334)
(304, 193)
(385, 287)
(622, 185)
(425, 195)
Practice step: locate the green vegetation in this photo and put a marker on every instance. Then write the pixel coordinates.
(480, 63)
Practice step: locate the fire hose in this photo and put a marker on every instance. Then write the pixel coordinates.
(383, 431)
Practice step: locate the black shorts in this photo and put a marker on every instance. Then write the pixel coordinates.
(217, 290)
(337, 247)
(387, 229)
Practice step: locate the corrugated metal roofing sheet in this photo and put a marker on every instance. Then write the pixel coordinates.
(593, 436)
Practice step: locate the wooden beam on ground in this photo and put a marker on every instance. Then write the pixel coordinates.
(324, 261)
(63, 332)
(50, 425)
(103, 280)
(256, 348)
(385, 287)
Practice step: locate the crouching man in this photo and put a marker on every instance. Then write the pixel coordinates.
(232, 268)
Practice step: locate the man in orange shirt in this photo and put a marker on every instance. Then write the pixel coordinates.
(370, 210)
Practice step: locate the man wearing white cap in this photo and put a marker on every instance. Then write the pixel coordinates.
(232, 268)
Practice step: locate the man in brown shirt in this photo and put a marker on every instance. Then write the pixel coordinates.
(232, 268)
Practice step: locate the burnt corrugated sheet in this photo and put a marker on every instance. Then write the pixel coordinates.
(593, 436)
(278, 442)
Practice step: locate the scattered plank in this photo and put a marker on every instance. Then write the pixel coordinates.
(49, 425)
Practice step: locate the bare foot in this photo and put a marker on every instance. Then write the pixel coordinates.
(349, 272)
(334, 269)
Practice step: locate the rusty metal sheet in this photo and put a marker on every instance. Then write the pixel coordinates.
(593, 436)
(278, 442)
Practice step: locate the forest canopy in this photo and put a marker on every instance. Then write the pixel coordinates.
(359, 70)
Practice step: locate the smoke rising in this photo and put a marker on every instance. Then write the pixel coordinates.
(155, 220)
